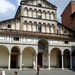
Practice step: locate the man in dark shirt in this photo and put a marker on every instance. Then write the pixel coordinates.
(38, 69)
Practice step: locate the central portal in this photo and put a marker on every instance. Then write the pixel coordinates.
(13, 61)
(40, 59)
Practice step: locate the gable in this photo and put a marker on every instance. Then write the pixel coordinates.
(64, 30)
(40, 3)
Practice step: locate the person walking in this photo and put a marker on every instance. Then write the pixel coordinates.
(38, 69)
(15, 73)
(0, 72)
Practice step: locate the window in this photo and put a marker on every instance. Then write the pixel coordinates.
(39, 28)
(58, 32)
(9, 26)
(39, 4)
(39, 16)
(66, 42)
(65, 32)
(16, 38)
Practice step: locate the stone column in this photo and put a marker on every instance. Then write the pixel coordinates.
(49, 61)
(9, 62)
(62, 63)
(20, 61)
(36, 61)
(10, 38)
(43, 60)
(70, 61)
(34, 66)
(21, 39)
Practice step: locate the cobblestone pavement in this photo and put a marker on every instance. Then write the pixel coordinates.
(42, 72)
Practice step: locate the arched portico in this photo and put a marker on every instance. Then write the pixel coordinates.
(73, 59)
(55, 58)
(4, 57)
(66, 56)
(15, 57)
(42, 53)
(28, 57)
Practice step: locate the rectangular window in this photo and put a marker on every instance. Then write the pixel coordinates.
(39, 17)
(66, 42)
(16, 38)
(39, 5)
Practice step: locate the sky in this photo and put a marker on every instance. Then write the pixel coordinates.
(8, 8)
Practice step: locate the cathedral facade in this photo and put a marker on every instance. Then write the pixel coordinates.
(35, 37)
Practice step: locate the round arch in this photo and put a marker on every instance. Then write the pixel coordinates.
(47, 15)
(4, 56)
(25, 11)
(15, 57)
(44, 14)
(34, 26)
(55, 56)
(28, 55)
(30, 14)
(34, 13)
(44, 40)
(42, 50)
(44, 27)
(48, 28)
(52, 28)
(66, 56)
(52, 15)
(25, 25)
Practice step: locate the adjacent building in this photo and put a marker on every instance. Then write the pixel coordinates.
(35, 37)
(68, 15)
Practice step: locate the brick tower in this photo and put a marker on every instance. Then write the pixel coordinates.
(68, 15)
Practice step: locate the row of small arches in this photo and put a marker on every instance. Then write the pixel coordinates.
(38, 23)
(42, 13)
(40, 27)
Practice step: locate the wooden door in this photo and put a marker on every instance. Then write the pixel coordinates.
(40, 59)
(13, 61)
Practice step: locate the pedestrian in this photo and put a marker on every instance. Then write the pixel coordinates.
(15, 73)
(38, 69)
(0, 72)
(3, 72)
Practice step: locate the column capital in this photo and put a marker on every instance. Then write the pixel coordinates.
(9, 53)
(36, 54)
(20, 53)
(48, 53)
(70, 54)
(62, 54)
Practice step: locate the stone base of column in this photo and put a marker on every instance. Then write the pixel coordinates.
(20, 68)
(62, 68)
(8, 68)
(71, 68)
(49, 68)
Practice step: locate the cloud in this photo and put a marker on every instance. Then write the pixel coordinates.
(8, 10)
(5, 6)
(8, 15)
(18, 2)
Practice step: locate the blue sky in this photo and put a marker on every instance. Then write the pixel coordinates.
(8, 8)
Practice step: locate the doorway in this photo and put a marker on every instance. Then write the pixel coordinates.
(13, 61)
(40, 59)
(15, 57)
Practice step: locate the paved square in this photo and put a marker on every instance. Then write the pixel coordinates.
(42, 72)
